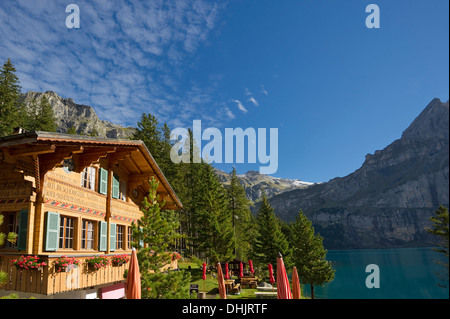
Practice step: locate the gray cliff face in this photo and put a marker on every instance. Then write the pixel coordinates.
(82, 117)
(386, 202)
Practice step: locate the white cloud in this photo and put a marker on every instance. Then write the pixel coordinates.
(240, 106)
(252, 99)
(264, 91)
(126, 58)
(229, 113)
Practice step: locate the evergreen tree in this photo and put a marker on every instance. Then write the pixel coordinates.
(11, 109)
(269, 239)
(157, 140)
(45, 120)
(440, 229)
(149, 132)
(72, 130)
(157, 231)
(309, 254)
(94, 132)
(239, 206)
(210, 217)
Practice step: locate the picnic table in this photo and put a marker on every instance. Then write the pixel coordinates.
(229, 284)
(249, 282)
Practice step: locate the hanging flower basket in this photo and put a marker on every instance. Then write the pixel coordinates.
(97, 262)
(63, 263)
(119, 260)
(28, 262)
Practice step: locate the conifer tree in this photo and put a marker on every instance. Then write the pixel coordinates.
(72, 130)
(211, 219)
(269, 239)
(439, 228)
(239, 206)
(11, 109)
(157, 231)
(309, 255)
(45, 120)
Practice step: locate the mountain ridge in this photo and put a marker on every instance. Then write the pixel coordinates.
(388, 200)
(82, 118)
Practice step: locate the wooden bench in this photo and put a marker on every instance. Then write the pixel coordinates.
(267, 289)
(266, 294)
(236, 289)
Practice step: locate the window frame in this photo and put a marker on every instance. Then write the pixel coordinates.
(66, 229)
(85, 232)
(120, 236)
(89, 178)
(9, 226)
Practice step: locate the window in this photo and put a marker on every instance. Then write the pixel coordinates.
(123, 190)
(66, 227)
(88, 177)
(87, 234)
(10, 224)
(130, 237)
(119, 236)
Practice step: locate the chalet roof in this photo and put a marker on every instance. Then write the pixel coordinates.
(53, 148)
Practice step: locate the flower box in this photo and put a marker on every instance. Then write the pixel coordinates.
(119, 260)
(28, 262)
(97, 262)
(64, 263)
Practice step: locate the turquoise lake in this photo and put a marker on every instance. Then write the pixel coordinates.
(404, 273)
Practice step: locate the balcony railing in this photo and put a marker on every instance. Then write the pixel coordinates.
(48, 281)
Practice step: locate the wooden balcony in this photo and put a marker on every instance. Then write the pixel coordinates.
(47, 281)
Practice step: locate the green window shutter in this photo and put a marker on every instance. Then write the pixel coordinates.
(112, 237)
(103, 181)
(115, 188)
(52, 221)
(103, 231)
(23, 227)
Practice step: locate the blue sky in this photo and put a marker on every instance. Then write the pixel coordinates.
(335, 89)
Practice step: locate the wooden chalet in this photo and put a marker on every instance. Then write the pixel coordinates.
(75, 196)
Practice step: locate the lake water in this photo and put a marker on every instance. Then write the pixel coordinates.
(404, 273)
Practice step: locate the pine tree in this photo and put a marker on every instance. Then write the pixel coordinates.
(213, 238)
(270, 239)
(440, 229)
(157, 140)
(45, 120)
(94, 132)
(309, 254)
(157, 230)
(148, 131)
(11, 109)
(239, 206)
(72, 130)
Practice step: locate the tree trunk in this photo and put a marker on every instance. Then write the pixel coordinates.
(312, 291)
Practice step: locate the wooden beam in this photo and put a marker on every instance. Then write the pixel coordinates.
(32, 150)
(89, 156)
(114, 158)
(133, 163)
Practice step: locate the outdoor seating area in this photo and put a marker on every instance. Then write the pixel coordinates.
(249, 282)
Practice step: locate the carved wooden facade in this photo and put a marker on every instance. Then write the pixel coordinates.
(72, 195)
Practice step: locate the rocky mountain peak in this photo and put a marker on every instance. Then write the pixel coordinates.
(432, 122)
(388, 201)
(82, 117)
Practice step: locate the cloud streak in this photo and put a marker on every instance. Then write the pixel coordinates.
(240, 106)
(124, 60)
